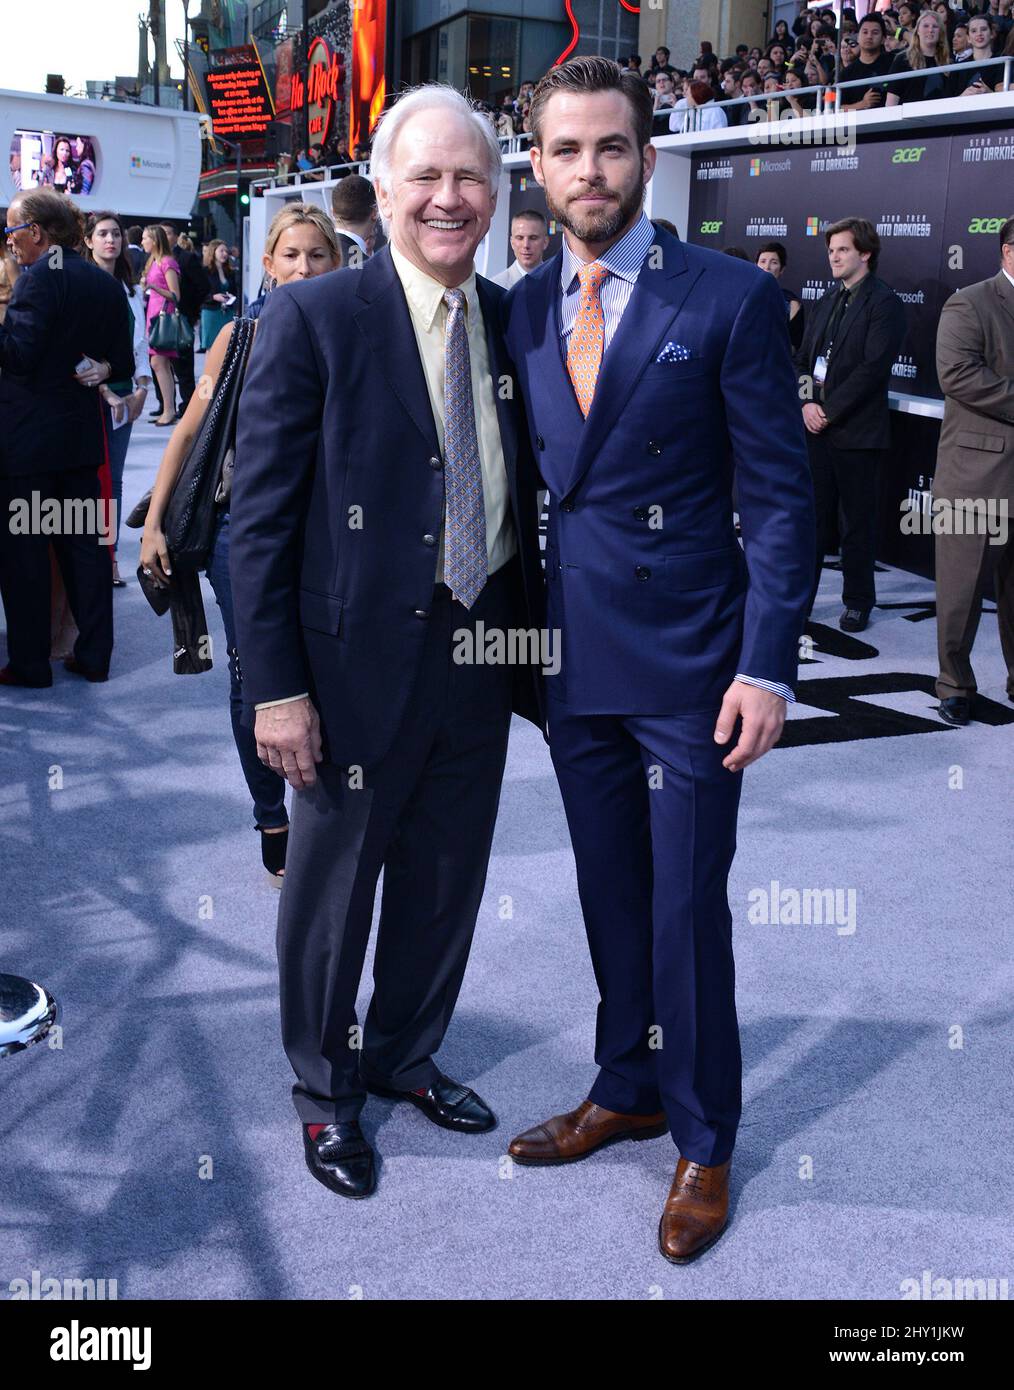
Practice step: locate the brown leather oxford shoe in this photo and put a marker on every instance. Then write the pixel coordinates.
(696, 1211)
(566, 1138)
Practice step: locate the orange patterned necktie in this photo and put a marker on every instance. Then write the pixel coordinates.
(587, 337)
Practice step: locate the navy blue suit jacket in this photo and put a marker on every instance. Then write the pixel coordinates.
(335, 415)
(61, 309)
(657, 606)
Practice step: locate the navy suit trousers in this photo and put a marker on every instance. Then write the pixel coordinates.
(425, 815)
(652, 815)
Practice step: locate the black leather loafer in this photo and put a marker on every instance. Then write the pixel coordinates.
(446, 1103)
(341, 1159)
(76, 669)
(854, 620)
(8, 676)
(956, 710)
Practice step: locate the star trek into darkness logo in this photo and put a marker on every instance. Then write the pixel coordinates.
(904, 224)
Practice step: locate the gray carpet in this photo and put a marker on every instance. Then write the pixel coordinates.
(158, 1146)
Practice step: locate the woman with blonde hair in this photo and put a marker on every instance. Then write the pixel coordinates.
(927, 51)
(9, 270)
(301, 243)
(161, 278)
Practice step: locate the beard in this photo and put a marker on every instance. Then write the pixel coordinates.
(601, 224)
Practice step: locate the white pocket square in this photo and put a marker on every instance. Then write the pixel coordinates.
(674, 352)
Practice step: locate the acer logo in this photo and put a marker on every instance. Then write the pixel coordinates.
(985, 224)
(908, 154)
(710, 228)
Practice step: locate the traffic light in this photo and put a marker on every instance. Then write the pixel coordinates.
(244, 199)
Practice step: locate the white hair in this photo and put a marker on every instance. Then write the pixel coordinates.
(429, 97)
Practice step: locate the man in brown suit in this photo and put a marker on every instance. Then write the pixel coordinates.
(975, 462)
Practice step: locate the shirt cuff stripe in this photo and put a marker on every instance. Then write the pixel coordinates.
(286, 700)
(783, 690)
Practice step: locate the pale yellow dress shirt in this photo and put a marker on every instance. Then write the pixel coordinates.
(428, 313)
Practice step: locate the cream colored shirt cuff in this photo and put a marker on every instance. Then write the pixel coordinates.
(287, 700)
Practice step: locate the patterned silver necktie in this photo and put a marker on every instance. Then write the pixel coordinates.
(465, 511)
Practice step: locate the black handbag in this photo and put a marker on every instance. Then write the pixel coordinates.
(170, 332)
(192, 510)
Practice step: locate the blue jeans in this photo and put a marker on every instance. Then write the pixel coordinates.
(119, 442)
(266, 787)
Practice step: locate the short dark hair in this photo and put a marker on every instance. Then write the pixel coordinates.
(864, 235)
(58, 217)
(662, 49)
(777, 248)
(1007, 234)
(134, 234)
(594, 74)
(353, 199)
(736, 251)
(533, 213)
(877, 19)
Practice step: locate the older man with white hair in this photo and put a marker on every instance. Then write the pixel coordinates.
(384, 524)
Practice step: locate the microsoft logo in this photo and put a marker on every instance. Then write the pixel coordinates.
(812, 226)
(135, 161)
(755, 168)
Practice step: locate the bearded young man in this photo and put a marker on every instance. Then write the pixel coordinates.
(651, 371)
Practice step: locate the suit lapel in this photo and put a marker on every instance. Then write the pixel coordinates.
(498, 369)
(1005, 292)
(852, 314)
(386, 324)
(657, 299)
(821, 318)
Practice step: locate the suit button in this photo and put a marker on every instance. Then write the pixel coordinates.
(540, 443)
(642, 572)
(654, 448)
(429, 540)
(421, 613)
(640, 513)
(436, 463)
(566, 506)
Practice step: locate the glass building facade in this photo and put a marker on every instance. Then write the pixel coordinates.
(487, 48)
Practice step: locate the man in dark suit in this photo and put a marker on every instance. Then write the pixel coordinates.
(975, 462)
(354, 209)
(383, 520)
(851, 340)
(650, 371)
(194, 290)
(135, 251)
(52, 438)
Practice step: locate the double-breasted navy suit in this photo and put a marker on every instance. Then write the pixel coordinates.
(659, 609)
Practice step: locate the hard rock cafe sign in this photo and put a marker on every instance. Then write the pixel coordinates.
(325, 84)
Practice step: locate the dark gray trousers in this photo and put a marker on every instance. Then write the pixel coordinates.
(425, 815)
